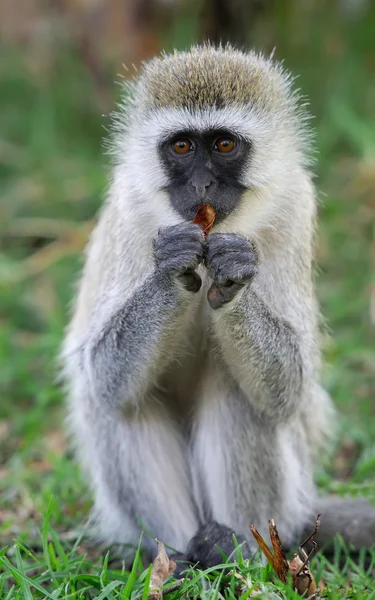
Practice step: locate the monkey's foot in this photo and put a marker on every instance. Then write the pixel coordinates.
(212, 543)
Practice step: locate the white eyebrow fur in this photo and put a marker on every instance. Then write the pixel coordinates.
(164, 123)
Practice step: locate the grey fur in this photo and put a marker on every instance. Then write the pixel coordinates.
(214, 543)
(179, 248)
(353, 518)
(230, 257)
(231, 261)
(184, 412)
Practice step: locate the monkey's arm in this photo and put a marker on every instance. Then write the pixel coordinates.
(263, 353)
(129, 352)
(266, 354)
(127, 349)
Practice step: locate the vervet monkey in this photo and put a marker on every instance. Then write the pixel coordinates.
(193, 364)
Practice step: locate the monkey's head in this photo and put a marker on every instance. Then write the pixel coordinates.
(215, 126)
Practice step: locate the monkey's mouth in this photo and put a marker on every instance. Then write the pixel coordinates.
(224, 200)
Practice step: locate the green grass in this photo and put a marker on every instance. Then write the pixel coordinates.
(52, 176)
(59, 570)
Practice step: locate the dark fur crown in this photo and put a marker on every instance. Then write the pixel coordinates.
(206, 76)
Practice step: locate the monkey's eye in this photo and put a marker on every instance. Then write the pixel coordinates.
(224, 144)
(182, 146)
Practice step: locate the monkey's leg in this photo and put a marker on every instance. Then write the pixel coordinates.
(246, 470)
(269, 351)
(139, 474)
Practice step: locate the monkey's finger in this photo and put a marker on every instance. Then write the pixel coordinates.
(179, 263)
(181, 230)
(220, 241)
(230, 263)
(236, 267)
(241, 245)
(178, 239)
(178, 245)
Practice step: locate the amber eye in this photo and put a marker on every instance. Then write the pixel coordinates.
(225, 144)
(182, 146)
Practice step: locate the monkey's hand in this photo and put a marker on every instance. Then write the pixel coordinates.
(178, 250)
(232, 262)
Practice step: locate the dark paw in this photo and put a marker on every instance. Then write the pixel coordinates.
(231, 258)
(179, 249)
(213, 543)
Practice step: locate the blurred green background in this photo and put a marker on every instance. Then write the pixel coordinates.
(58, 64)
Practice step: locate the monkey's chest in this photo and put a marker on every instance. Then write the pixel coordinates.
(195, 357)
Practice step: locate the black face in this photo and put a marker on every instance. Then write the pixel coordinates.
(204, 168)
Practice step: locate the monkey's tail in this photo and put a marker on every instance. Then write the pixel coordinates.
(352, 518)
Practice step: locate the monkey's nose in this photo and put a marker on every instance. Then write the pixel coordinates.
(201, 184)
(202, 189)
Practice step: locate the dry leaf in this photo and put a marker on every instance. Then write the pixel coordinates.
(303, 581)
(281, 562)
(205, 217)
(263, 546)
(298, 567)
(162, 568)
